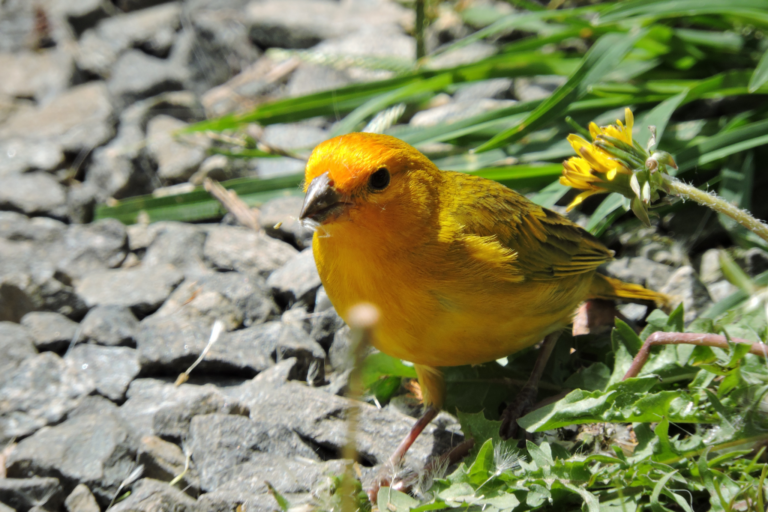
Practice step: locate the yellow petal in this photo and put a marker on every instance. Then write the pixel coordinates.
(629, 118)
(577, 142)
(612, 173)
(594, 131)
(599, 161)
(581, 197)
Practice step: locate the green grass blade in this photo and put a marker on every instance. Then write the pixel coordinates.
(760, 75)
(609, 205)
(756, 10)
(381, 102)
(658, 117)
(607, 52)
(723, 144)
(198, 204)
(514, 21)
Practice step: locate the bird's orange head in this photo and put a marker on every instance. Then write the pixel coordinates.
(359, 171)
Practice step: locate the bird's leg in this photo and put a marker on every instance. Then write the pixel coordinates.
(687, 338)
(384, 479)
(527, 395)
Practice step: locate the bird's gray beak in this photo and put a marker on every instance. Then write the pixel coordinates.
(322, 200)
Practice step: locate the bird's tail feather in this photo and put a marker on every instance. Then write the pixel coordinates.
(604, 287)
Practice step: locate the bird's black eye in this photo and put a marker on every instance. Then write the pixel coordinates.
(379, 180)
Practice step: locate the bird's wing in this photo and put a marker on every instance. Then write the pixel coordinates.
(547, 245)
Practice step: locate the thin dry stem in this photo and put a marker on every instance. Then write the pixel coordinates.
(234, 205)
(718, 204)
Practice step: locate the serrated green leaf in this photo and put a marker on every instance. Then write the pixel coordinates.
(541, 455)
(482, 467)
(656, 505)
(395, 501)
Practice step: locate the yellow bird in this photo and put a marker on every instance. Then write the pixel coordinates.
(462, 269)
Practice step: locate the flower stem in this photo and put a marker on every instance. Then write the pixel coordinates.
(718, 204)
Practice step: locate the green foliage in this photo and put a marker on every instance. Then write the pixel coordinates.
(657, 57)
(682, 434)
(696, 419)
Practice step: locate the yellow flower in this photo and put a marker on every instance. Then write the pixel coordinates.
(596, 170)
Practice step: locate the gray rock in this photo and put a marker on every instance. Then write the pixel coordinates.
(176, 243)
(318, 418)
(219, 442)
(110, 325)
(137, 75)
(172, 344)
(155, 407)
(245, 479)
(40, 74)
(231, 297)
(222, 35)
(322, 302)
(294, 342)
(538, 87)
(754, 261)
(270, 378)
(340, 354)
(122, 168)
(640, 271)
(33, 193)
(387, 42)
(30, 283)
(311, 78)
(78, 119)
(230, 497)
(244, 250)
(50, 331)
(215, 167)
(153, 29)
(16, 345)
(19, 155)
(494, 88)
(324, 325)
(709, 269)
(93, 447)
(165, 461)
(304, 23)
(41, 391)
(465, 55)
(254, 81)
(25, 493)
(177, 157)
(457, 110)
(294, 136)
(720, 290)
(83, 14)
(81, 500)
(111, 368)
(684, 286)
(297, 280)
(282, 166)
(148, 494)
(142, 289)
(284, 211)
(15, 226)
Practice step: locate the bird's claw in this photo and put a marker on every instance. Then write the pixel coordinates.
(515, 410)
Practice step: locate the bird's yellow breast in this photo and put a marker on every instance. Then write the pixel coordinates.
(444, 308)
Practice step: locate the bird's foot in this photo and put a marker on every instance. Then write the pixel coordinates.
(405, 481)
(515, 410)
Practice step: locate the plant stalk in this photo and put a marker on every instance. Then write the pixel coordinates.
(419, 29)
(718, 204)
